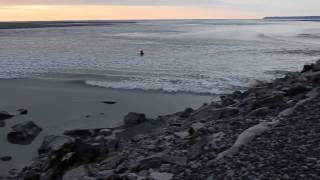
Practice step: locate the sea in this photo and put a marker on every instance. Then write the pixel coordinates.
(189, 56)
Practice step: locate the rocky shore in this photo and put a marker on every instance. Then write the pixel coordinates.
(271, 131)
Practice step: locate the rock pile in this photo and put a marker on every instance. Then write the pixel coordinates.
(271, 131)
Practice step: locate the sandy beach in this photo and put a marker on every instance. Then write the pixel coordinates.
(57, 106)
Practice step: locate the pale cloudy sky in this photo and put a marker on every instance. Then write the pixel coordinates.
(152, 9)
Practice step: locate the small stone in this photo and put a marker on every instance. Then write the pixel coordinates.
(6, 158)
(22, 111)
(161, 176)
(186, 113)
(133, 118)
(109, 102)
(195, 127)
(106, 132)
(182, 134)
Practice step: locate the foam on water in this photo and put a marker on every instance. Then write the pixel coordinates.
(212, 56)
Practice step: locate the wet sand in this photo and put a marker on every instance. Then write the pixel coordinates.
(57, 106)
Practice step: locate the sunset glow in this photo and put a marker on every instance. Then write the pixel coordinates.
(90, 12)
(21, 10)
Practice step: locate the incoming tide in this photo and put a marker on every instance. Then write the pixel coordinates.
(192, 56)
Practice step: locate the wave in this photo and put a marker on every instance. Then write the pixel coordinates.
(309, 36)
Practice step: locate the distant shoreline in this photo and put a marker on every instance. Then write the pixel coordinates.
(293, 18)
(47, 24)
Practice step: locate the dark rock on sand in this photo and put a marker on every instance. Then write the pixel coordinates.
(2, 124)
(23, 133)
(53, 144)
(22, 111)
(5, 115)
(186, 113)
(109, 102)
(134, 118)
(6, 158)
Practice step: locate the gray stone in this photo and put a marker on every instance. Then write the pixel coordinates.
(195, 127)
(161, 176)
(6, 158)
(105, 132)
(186, 113)
(23, 133)
(134, 118)
(229, 112)
(263, 111)
(195, 150)
(81, 133)
(52, 144)
(182, 134)
(22, 111)
(75, 174)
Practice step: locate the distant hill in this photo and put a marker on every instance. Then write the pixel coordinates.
(295, 18)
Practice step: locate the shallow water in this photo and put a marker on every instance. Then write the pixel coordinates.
(207, 56)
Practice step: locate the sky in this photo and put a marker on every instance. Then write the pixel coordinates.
(29, 10)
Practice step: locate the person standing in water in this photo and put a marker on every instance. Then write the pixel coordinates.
(141, 52)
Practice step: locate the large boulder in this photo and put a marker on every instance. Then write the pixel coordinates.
(263, 111)
(23, 133)
(297, 89)
(271, 101)
(134, 118)
(53, 144)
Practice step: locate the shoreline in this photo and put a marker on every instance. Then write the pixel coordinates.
(56, 106)
(267, 131)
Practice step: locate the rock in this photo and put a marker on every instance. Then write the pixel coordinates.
(133, 119)
(6, 158)
(307, 68)
(263, 111)
(22, 111)
(5, 115)
(161, 176)
(75, 174)
(229, 112)
(195, 150)
(56, 144)
(153, 161)
(177, 160)
(296, 89)
(186, 113)
(105, 132)
(316, 66)
(112, 162)
(195, 127)
(109, 102)
(30, 175)
(81, 133)
(208, 113)
(86, 152)
(269, 101)
(182, 134)
(2, 124)
(23, 133)
(227, 101)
